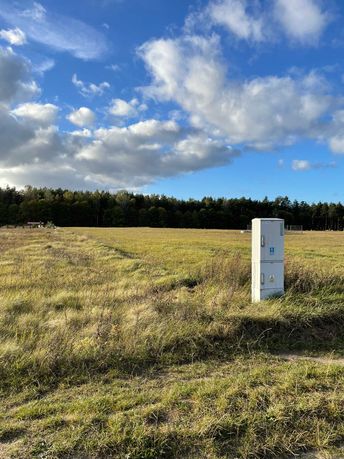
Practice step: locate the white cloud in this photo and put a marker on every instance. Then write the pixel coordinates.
(144, 151)
(55, 175)
(82, 117)
(44, 66)
(82, 133)
(122, 108)
(113, 67)
(40, 114)
(89, 89)
(334, 132)
(33, 150)
(62, 33)
(262, 113)
(301, 165)
(37, 13)
(259, 113)
(305, 165)
(198, 151)
(337, 143)
(16, 83)
(15, 37)
(26, 143)
(303, 20)
(128, 157)
(234, 16)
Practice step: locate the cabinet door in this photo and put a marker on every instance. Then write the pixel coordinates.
(272, 276)
(272, 241)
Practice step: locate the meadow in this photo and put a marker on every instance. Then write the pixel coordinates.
(143, 343)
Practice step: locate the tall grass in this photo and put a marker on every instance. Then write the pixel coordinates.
(80, 312)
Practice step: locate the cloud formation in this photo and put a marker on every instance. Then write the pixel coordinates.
(89, 89)
(16, 83)
(305, 165)
(82, 117)
(57, 31)
(234, 16)
(262, 113)
(221, 115)
(15, 37)
(37, 114)
(150, 149)
(34, 150)
(122, 108)
(302, 20)
(115, 157)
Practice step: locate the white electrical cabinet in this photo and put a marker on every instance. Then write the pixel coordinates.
(267, 258)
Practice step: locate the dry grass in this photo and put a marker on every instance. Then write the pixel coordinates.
(144, 343)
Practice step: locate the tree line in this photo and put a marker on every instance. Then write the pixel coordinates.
(102, 208)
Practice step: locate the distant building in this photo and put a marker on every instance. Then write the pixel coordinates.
(35, 224)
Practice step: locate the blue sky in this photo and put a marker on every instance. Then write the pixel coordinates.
(186, 98)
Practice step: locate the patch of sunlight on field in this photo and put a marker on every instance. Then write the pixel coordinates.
(180, 247)
(144, 343)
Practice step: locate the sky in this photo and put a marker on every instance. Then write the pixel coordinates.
(188, 98)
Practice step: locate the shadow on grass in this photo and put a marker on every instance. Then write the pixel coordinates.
(247, 335)
(309, 333)
(237, 335)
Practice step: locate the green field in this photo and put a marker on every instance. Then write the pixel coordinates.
(143, 343)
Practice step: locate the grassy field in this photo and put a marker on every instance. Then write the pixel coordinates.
(143, 343)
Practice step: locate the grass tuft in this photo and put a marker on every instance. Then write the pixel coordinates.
(62, 301)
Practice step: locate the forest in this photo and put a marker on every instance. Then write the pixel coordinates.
(126, 209)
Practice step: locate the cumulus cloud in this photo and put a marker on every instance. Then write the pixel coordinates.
(40, 114)
(302, 20)
(262, 113)
(150, 149)
(119, 157)
(335, 131)
(34, 150)
(15, 78)
(15, 37)
(12, 134)
(55, 175)
(82, 117)
(234, 16)
(305, 165)
(89, 89)
(218, 115)
(57, 31)
(26, 143)
(122, 108)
